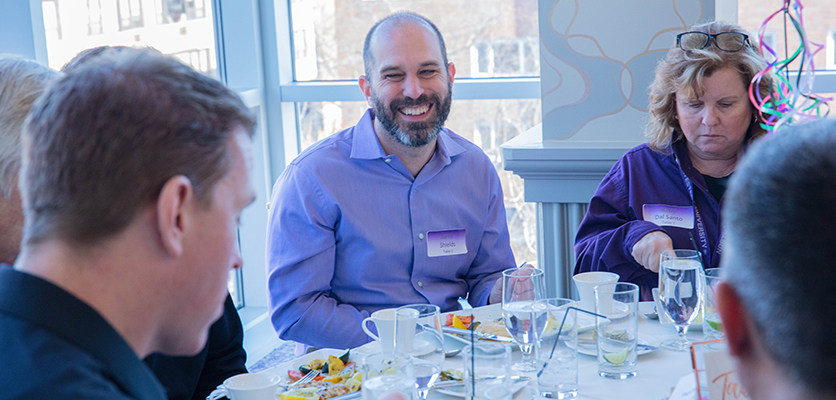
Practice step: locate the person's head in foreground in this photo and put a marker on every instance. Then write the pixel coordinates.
(135, 171)
(777, 303)
(701, 93)
(408, 80)
(21, 82)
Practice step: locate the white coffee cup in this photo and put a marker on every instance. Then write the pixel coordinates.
(248, 387)
(586, 282)
(384, 322)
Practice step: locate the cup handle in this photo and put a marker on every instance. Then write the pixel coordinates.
(218, 393)
(366, 329)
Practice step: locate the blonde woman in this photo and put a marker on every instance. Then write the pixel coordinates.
(667, 193)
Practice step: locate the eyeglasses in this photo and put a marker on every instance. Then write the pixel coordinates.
(726, 41)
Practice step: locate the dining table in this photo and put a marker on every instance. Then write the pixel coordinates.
(658, 370)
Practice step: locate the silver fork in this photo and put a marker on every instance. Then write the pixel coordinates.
(305, 379)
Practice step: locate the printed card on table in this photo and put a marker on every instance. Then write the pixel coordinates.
(715, 373)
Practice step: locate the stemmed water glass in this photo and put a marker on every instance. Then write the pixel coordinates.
(521, 288)
(680, 287)
(425, 345)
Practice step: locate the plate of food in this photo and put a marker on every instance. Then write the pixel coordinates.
(339, 376)
(488, 320)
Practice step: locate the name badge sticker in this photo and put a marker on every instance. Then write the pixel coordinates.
(663, 215)
(446, 243)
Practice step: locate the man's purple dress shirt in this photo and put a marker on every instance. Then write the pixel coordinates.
(348, 234)
(614, 222)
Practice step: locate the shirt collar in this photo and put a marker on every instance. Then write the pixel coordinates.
(365, 145)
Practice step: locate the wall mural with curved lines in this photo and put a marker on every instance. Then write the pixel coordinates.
(597, 59)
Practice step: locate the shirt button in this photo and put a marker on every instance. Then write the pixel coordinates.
(421, 284)
(420, 236)
(388, 160)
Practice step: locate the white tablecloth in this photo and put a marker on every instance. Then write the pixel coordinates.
(658, 371)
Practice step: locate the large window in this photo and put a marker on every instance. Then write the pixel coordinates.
(121, 23)
(328, 35)
(498, 40)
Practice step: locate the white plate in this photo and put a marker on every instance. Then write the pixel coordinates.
(458, 390)
(591, 349)
(453, 342)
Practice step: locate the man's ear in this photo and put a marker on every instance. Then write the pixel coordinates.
(451, 71)
(366, 87)
(176, 197)
(735, 318)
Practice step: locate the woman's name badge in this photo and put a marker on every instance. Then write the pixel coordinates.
(662, 215)
(446, 243)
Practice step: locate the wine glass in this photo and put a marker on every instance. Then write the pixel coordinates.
(680, 287)
(521, 288)
(426, 345)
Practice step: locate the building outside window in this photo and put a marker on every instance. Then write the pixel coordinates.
(52, 20)
(130, 14)
(173, 11)
(94, 17)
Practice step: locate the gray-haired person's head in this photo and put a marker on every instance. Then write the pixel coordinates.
(21, 82)
(779, 216)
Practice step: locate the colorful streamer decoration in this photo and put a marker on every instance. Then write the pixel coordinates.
(793, 101)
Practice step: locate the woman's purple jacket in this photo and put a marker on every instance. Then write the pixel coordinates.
(614, 222)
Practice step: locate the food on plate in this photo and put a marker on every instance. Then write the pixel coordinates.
(458, 321)
(450, 375)
(335, 364)
(337, 376)
(301, 394)
(494, 327)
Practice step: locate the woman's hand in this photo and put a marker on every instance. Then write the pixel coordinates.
(648, 250)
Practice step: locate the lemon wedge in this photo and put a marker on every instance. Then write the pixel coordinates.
(617, 358)
(301, 394)
(457, 323)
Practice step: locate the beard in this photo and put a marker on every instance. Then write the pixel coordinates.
(413, 134)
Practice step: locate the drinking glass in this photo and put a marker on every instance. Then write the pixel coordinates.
(426, 346)
(680, 292)
(617, 333)
(521, 287)
(486, 365)
(557, 348)
(388, 375)
(712, 326)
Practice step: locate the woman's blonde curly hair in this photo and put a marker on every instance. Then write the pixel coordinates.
(687, 69)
